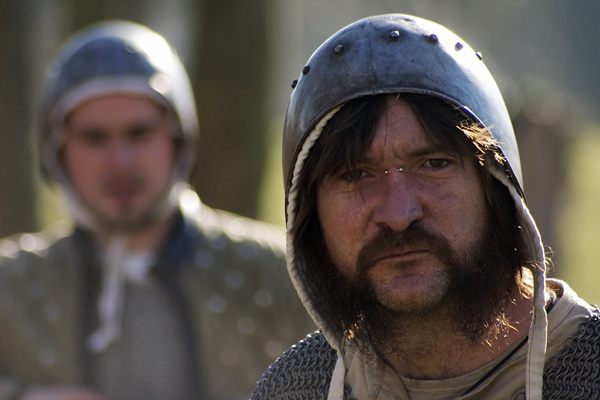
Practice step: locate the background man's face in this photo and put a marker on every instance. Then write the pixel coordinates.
(439, 196)
(119, 154)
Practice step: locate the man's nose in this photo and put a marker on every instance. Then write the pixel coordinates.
(120, 154)
(397, 203)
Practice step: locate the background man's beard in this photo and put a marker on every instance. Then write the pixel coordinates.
(480, 284)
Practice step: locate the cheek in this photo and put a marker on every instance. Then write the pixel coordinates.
(466, 217)
(342, 229)
(480, 217)
(160, 158)
(477, 205)
(80, 167)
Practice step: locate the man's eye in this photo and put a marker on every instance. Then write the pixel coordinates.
(91, 138)
(353, 175)
(437, 163)
(140, 133)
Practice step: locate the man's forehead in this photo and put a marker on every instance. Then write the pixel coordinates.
(115, 107)
(399, 132)
(116, 97)
(401, 152)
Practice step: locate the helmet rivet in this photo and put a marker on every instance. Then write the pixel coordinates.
(394, 35)
(339, 49)
(305, 69)
(433, 38)
(458, 46)
(478, 54)
(294, 83)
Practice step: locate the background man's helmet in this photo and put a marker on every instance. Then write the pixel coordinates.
(395, 54)
(115, 57)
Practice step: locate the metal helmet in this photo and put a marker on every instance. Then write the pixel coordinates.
(395, 53)
(107, 58)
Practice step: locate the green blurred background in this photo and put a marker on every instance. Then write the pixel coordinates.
(242, 56)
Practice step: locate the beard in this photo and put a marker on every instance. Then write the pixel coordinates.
(478, 283)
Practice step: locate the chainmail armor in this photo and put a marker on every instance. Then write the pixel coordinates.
(128, 370)
(302, 372)
(574, 373)
(305, 370)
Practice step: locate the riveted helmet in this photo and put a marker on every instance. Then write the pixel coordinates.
(395, 53)
(114, 57)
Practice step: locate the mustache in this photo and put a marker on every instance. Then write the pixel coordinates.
(387, 242)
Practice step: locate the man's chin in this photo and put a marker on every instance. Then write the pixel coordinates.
(409, 302)
(409, 289)
(126, 222)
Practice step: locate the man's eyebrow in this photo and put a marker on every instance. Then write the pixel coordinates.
(417, 152)
(427, 150)
(84, 130)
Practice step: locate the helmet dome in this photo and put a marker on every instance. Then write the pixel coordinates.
(395, 53)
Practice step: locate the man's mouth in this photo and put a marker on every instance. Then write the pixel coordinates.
(123, 190)
(400, 255)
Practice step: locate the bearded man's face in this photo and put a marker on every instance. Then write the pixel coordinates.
(409, 232)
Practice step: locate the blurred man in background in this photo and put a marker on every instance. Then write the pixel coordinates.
(152, 295)
(410, 241)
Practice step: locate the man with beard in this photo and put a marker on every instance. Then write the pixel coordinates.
(152, 295)
(409, 239)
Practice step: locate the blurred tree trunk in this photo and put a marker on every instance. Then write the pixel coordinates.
(17, 196)
(230, 81)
